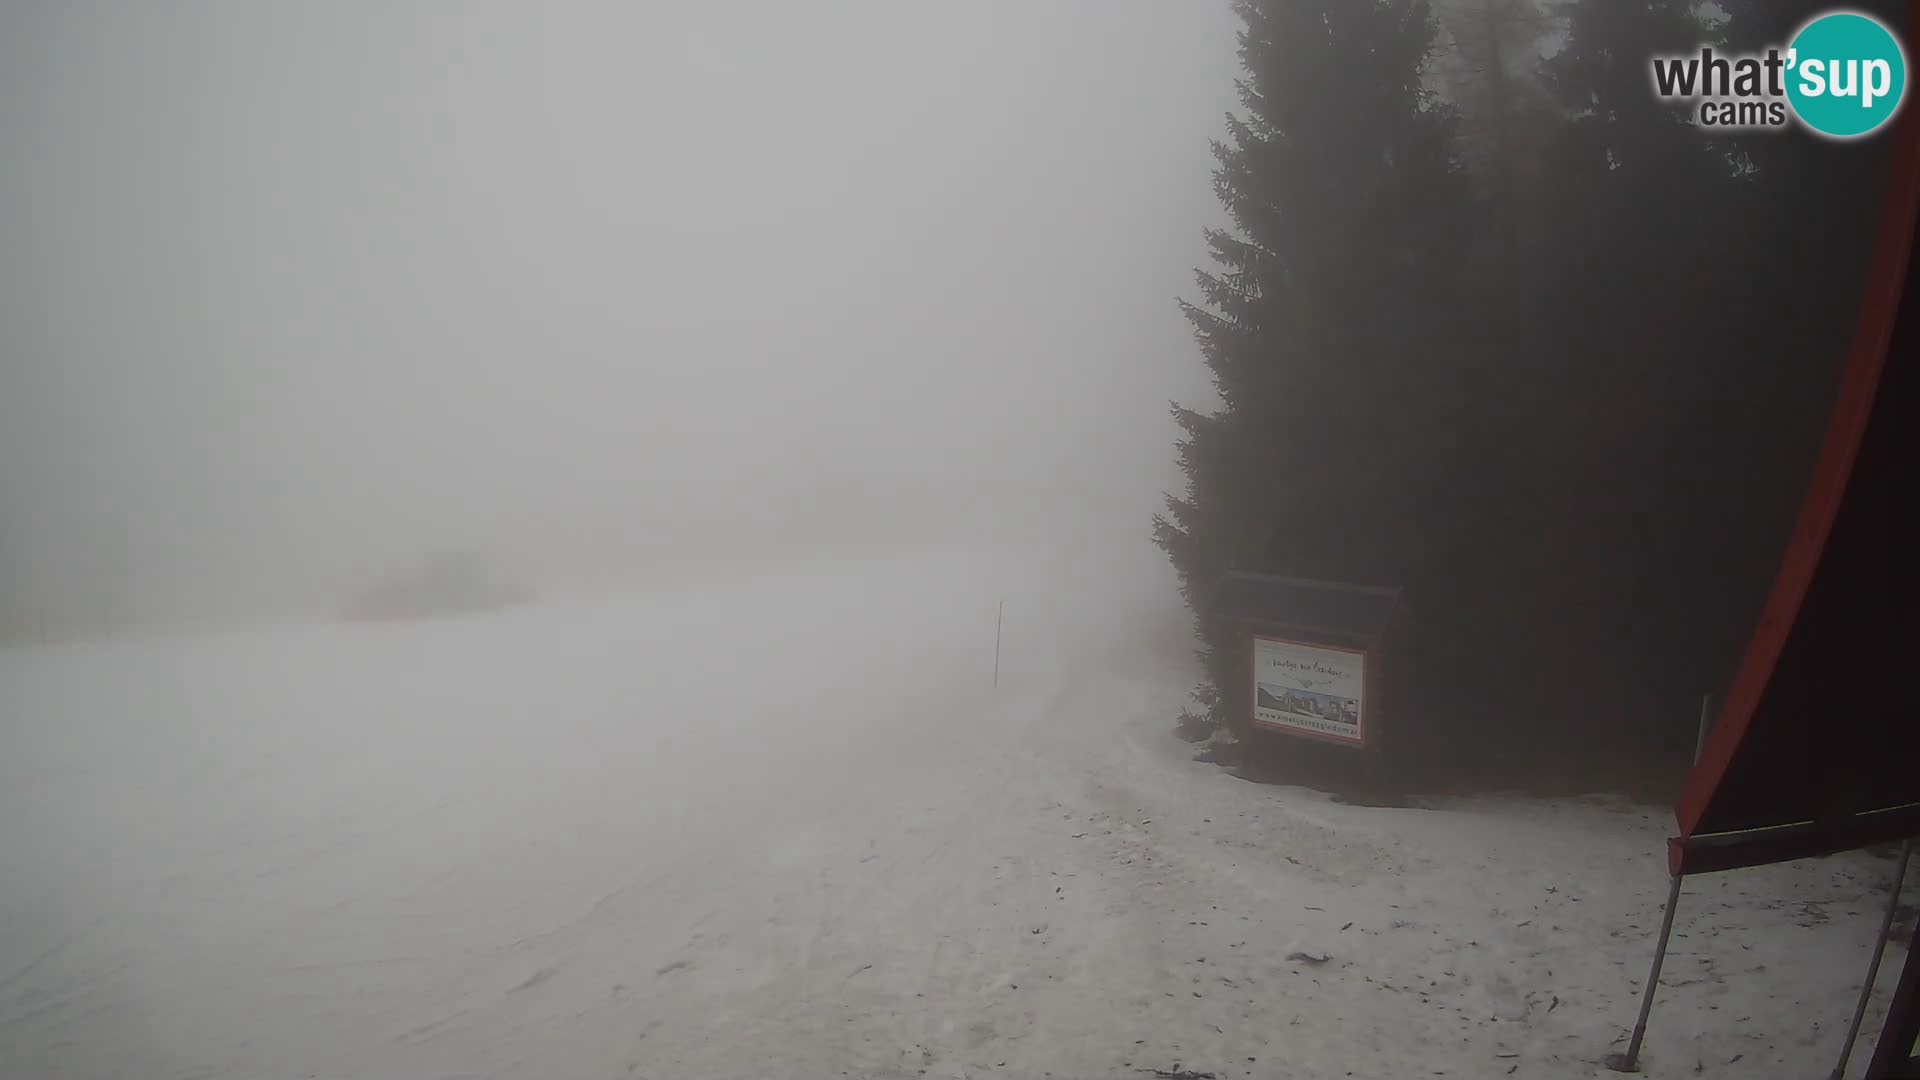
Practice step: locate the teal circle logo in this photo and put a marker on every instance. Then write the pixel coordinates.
(1846, 74)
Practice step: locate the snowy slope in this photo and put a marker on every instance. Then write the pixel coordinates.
(781, 825)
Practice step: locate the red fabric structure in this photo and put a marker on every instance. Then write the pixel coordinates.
(1817, 746)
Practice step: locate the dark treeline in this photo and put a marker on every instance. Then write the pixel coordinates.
(1494, 324)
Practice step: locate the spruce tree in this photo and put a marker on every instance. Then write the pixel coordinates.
(1816, 206)
(1488, 66)
(1808, 222)
(1653, 223)
(1327, 317)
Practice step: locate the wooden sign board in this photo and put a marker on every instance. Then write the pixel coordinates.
(1318, 691)
(1314, 652)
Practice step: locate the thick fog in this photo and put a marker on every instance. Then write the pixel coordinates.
(291, 294)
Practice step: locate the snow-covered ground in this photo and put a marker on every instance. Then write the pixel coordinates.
(782, 825)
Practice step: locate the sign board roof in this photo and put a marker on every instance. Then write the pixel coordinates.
(1351, 612)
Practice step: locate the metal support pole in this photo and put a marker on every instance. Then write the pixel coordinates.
(1893, 1051)
(1873, 966)
(1630, 1061)
(1706, 725)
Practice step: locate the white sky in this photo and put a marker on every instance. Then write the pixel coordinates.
(289, 292)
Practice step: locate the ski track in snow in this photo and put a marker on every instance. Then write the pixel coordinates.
(782, 826)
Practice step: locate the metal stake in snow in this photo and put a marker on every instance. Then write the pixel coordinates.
(1630, 1060)
(1706, 725)
(1873, 967)
(999, 617)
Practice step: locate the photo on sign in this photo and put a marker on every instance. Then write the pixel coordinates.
(1307, 703)
(1311, 690)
